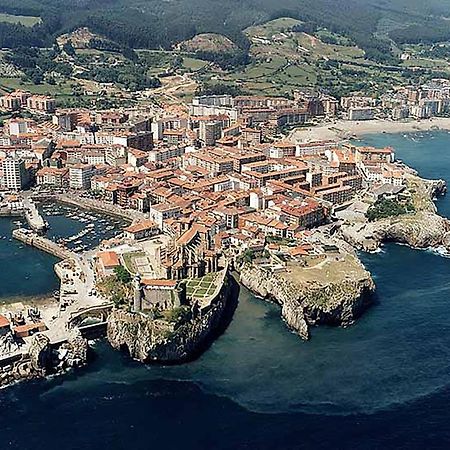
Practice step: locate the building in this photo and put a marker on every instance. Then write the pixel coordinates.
(5, 326)
(209, 132)
(364, 113)
(158, 294)
(41, 103)
(107, 262)
(52, 176)
(80, 176)
(14, 173)
(142, 230)
(163, 211)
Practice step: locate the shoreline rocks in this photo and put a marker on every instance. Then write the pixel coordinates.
(44, 359)
(152, 340)
(308, 304)
(422, 229)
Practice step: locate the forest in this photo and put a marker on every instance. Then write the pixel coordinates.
(159, 25)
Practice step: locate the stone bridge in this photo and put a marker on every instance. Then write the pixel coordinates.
(87, 317)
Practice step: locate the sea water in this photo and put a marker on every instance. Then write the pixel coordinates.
(382, 383)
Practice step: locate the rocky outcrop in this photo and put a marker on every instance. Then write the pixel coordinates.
(422, 229)
(311, 303)
(44, 359)
(155, 340)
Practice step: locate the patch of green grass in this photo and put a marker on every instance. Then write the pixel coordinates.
(128, 259)
(27, 21)
(11, 84)
(193, 64)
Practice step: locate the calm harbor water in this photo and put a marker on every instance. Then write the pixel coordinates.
(383, 383)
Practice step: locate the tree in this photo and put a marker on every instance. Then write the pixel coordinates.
(68, 48)
(122, 274)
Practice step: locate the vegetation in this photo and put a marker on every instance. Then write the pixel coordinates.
(27, 21)
(177, 316)
(117, 20)
(338, 45)
(117, 287)
(247, 257)
(384, 208)
(201, 287)
(122, 275)
(220, 89)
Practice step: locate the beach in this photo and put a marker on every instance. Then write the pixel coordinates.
(345, 129)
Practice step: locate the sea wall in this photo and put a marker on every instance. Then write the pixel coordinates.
(152, 340)
(306, 304)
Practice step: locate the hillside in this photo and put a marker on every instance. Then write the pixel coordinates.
(208, 42)
(284, 58)
(155, 24)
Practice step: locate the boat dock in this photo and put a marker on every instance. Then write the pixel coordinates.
(42, 243)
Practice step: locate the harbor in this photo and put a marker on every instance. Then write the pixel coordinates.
(75, 309)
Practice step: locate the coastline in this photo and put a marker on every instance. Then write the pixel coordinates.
(344, 129)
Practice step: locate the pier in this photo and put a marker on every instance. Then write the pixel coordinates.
(42, 243)
(34, 219)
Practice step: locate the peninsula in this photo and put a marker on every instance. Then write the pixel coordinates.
(213, 192)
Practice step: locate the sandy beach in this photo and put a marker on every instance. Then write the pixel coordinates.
(344, 129)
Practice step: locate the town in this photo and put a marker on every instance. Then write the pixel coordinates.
(205, 187)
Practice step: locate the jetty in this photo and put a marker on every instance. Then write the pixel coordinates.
(42, 243)
(33, 217)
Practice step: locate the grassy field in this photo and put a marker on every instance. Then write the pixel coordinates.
(193, 64)
(11, 84)
(28, 21)
(284, 60)
(201, 287)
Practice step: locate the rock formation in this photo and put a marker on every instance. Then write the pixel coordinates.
(303, 304)
(44, 359)
(422, 229)
(148, 339)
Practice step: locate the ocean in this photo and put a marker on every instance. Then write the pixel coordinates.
(382, 383)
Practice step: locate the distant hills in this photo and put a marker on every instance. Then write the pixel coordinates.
(373, 25)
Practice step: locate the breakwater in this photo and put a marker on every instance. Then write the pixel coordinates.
(42, 243)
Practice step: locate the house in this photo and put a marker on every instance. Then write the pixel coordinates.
(107, 262)
(142, 230)
(29, 329)
(5, 325)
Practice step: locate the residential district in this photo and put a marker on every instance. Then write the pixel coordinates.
(205, 187)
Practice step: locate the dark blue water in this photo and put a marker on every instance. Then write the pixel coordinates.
(383, 383)
(24, 271)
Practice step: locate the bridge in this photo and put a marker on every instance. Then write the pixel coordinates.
(91, 321)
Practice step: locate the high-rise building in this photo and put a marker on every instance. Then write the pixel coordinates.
(80, 176)
(14, 173)
(209, 132)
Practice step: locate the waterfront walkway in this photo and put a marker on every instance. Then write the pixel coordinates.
(98, 205)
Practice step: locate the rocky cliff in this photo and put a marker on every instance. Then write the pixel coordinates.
(147, 339)
(305, 303)
(422, 229)
(45, 359)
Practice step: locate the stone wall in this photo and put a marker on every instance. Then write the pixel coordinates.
(152, 340)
